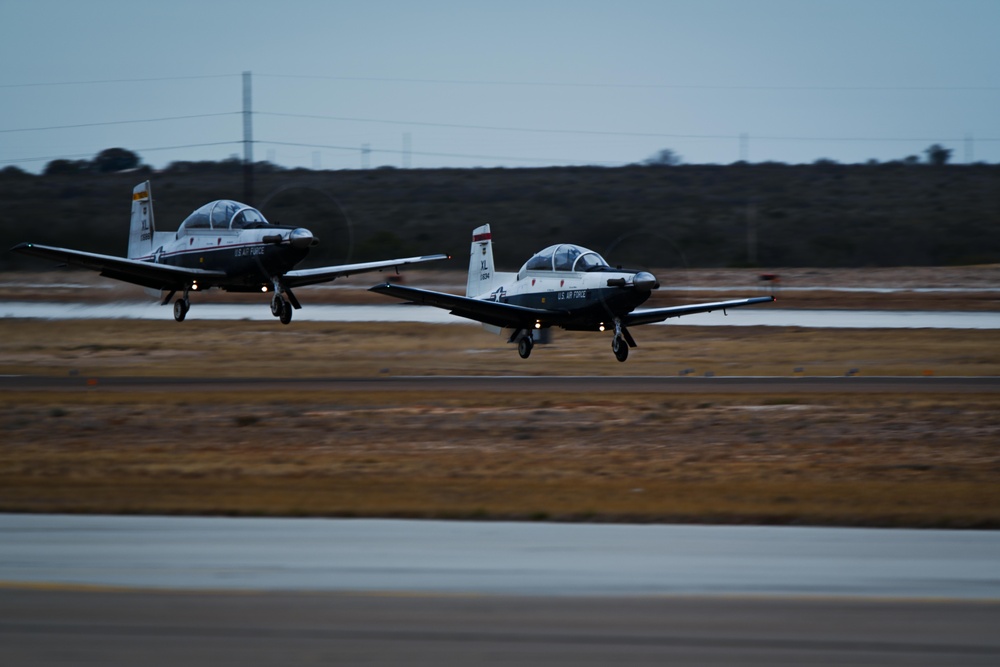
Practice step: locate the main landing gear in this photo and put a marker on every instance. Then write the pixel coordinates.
(524, 341)
(181, 308)
(524, 346)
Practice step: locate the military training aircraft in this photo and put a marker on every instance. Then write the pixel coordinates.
(563, 285)
(223, 244)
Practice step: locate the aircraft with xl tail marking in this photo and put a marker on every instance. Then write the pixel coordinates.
(223, 244)
(563, 285)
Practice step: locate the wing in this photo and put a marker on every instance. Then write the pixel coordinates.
(328, 273)
(147, 274)
(660, 314)
(489, 312)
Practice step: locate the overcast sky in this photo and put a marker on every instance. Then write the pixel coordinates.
(513, 83)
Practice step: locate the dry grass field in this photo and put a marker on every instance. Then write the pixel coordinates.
(840, 458)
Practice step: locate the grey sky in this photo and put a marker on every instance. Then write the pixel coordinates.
(513, 84)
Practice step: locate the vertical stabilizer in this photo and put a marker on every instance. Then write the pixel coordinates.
(140, 236)
(481, 271)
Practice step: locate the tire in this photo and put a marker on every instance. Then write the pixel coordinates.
(524, 347)
(180, 310)
(276, 306)
(286, 312)
(620, 348)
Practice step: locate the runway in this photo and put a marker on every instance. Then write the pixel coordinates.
(523, 383)
(172, 590)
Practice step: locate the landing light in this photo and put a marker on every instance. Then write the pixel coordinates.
(538, 325)
(263, 288)
(601, 327)
(194, 286)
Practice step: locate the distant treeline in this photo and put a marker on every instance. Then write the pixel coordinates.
(768, 215)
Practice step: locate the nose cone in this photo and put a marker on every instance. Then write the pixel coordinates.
(301, 238)
(645, 280)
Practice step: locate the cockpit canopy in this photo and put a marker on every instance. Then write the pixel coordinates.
(223, 214)
(564, 257)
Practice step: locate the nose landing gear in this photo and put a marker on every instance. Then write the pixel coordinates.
(620, 348)
(621, 342)
(281, 307)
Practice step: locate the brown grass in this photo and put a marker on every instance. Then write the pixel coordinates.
(899, 460)
(100, 348)
(821, 459)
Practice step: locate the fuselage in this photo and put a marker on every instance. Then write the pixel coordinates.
(573, 280)
(246, 258)
(586, 296)
(233, 238)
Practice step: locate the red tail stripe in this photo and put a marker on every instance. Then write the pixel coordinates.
(482, 237)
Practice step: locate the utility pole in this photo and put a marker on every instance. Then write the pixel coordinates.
(247, 142)
(752, 232)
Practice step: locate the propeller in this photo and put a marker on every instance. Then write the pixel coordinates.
(307, 202)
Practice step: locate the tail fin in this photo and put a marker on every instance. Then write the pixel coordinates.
(482, 274)
(140, 237)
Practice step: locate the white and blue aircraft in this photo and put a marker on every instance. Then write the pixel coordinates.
(563, 285)
(223, 244)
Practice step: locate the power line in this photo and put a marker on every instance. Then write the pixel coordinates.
(134, 150)
(104, 81)
(662, 135)
(118, 122)
(434, 154)
(537, 84)
(463, 126)
(666, 86)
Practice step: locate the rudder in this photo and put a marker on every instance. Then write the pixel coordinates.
(482, 274)
(141, 230)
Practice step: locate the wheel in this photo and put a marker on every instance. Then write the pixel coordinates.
(276, 306)
(180, 310)
(524, 347)
(620, 348)
(286, 312)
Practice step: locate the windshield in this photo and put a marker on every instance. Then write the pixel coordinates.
(564, 257)
(223, 214)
